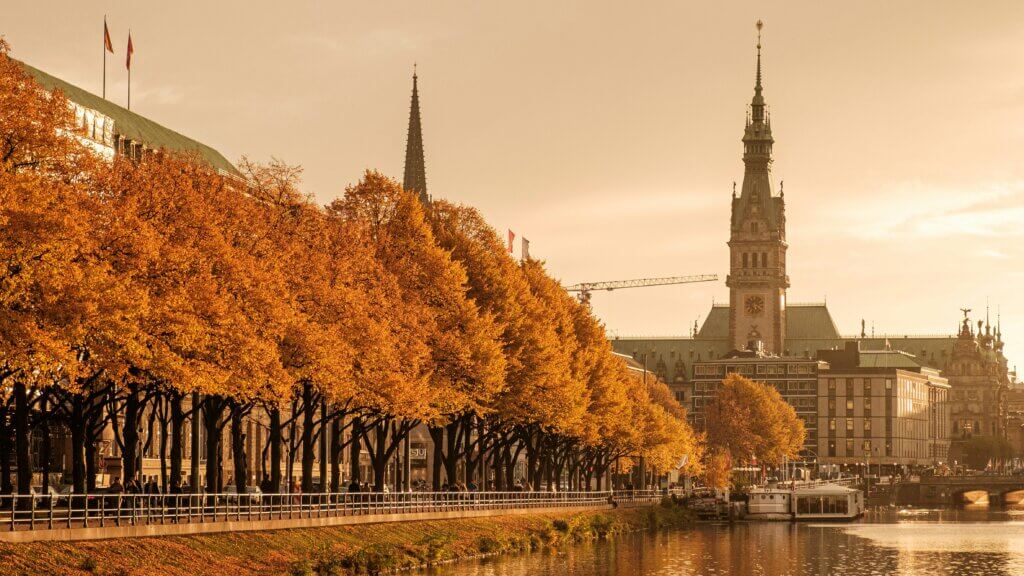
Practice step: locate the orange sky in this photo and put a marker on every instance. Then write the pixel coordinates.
(609, 133)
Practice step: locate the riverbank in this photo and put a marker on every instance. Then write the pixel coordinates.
(362, 549)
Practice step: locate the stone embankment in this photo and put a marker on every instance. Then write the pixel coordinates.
(355, 549)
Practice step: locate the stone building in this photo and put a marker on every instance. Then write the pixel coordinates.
(880, 407)
(112, 130)
(758, 311)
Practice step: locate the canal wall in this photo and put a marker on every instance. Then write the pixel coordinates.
(352, 548)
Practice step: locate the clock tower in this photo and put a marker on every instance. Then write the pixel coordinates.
(757, 278)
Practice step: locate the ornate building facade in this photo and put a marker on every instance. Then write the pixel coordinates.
(978, 404)
(757, 278)
(759, 316)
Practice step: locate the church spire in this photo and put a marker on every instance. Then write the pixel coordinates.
(415, 179)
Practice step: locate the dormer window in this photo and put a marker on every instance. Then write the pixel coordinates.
(753, 227)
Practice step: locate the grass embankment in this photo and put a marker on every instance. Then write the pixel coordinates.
(363, 549)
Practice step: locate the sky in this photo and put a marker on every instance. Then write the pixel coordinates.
(608, 133)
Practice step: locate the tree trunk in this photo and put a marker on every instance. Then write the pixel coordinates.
(77, 445)
(213, 410)
(21, 438)
(437, 437)
(325, 441)
(308, 448)
(336, 448)
(274, 437)
(355, 449)
(194, 422)
(90, 465)
(238, 448)
(177, 433)
(130, 435)
(44, 444)
(451, 455)
(407, 463)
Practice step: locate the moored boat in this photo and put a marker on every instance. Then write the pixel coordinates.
(805, 501)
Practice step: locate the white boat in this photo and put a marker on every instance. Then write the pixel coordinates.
(827, 502)
(805, 501)
(771, 502)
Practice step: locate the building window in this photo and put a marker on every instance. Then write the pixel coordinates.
(832, 448)
(832, 384)
(849, 407)
(849, 446)
(831, 405)
(831, 423)
(849, 426)
(744, 259)
(764, 259)
(867, 447)
(753, 227)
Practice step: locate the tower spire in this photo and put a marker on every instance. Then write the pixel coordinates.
(757, 104)
(415, 179)
(757, 86)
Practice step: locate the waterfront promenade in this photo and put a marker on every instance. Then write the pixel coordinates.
(91, 517)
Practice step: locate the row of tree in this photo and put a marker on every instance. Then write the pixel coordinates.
(157, 292)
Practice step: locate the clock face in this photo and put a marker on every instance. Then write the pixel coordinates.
(754, 305)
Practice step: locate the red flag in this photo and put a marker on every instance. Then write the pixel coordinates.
(107, 44)
(511, 239)
(131, 50)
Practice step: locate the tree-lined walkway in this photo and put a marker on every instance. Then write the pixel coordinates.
(88, 517)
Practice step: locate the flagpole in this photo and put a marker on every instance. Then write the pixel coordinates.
(104, 47)
(129, 68)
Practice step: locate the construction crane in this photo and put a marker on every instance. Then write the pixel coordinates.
(585, 288)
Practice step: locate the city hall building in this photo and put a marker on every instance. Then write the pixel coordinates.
(974, 372)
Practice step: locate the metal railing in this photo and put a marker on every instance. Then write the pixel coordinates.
(47, 512)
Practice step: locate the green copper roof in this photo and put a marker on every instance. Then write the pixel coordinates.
(130, 125)
(803, 322)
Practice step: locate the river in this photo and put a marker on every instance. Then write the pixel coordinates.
(964, 542)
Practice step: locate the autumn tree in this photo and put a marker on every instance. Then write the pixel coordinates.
(749, 420)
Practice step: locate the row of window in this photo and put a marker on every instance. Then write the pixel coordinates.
(766, 369)
(866, 448)
(750, 260)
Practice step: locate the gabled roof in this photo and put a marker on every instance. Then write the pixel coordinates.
(130, 125)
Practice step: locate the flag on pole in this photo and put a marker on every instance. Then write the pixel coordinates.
(511, 239)
(107, 44)
(131, 50)
(526, 249)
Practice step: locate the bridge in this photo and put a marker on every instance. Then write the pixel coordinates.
(955, 490)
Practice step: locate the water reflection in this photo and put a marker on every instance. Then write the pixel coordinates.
(967, 542)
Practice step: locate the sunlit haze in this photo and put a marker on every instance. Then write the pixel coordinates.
(609, 133)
